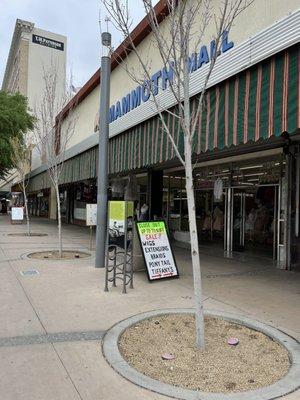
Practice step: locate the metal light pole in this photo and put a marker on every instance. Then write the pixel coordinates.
(103, 152)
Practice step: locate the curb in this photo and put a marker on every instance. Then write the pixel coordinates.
(289, 383)
(25, 256)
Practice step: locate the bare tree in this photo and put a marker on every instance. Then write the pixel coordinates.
(53, 132)
(185, 25)
(21, 160)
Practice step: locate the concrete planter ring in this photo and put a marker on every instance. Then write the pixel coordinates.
(45, 253)
(287, 384)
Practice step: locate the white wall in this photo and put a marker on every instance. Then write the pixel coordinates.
(86, 112)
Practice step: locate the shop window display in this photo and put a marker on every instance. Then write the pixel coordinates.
(85, 193)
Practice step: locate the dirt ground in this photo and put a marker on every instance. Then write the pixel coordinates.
(54, 255)
(255, 362)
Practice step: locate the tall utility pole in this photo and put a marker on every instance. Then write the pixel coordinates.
(103, 152)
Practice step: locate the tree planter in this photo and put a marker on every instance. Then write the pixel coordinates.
(288, 383)
(53, 255)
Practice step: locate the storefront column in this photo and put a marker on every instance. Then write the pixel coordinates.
(53, 204)
(155, 194)
(287, 212)
(284, 217)
(295, 212)
(228, 225)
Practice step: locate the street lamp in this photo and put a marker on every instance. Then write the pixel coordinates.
(102, 181)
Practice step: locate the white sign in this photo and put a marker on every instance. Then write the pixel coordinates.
(157, 251)
(91, 214)
(17, 213)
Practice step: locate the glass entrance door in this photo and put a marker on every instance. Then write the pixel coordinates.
(252, 220)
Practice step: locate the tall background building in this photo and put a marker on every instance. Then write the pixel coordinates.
(31, 51)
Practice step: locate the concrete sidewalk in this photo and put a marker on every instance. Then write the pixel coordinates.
(52, 323)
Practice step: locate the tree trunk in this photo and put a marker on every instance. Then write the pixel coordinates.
(26, 208)
(60, 249)
(191, 209)
(194, 247)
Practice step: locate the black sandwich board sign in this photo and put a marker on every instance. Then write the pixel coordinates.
(157, 251)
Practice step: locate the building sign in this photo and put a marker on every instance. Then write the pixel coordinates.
(120, 222)
(17, 213)
(161, 79)
(48, 42)
(157, 250)
(91, 214)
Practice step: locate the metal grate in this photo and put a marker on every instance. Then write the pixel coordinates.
(30, 272)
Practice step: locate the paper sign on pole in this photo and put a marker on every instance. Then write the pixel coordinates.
(120, 217)
(157, 250)
(17, 213)
(91, 214)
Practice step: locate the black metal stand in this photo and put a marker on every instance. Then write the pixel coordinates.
(119, 261)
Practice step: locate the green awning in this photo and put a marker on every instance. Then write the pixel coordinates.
(259, 103)
(75, 169)
(254, 105)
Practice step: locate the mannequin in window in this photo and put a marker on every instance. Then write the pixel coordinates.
(218, 219)
(144, 212)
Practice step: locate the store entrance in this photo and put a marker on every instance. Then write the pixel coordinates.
(210, 218)
(254, 211)
(239, 207)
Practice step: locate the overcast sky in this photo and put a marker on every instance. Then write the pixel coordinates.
(77, 19)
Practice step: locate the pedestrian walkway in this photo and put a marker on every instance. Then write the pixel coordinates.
(52, 321)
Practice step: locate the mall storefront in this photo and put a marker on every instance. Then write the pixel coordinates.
(243, 204)
(246, 157)
(247, 146)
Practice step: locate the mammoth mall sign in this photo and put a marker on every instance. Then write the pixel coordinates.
(160, 79)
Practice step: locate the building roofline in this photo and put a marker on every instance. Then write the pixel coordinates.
(20, 26)
(139, 33)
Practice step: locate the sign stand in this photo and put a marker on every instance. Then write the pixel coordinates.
(91, 220)
(119, 254)
(157, 251)
(91, 237)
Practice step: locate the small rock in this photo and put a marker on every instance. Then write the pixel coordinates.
(251, 381)
(156, 323)
(168, 356)
(233, 341)
(45, 256)
(76, 255)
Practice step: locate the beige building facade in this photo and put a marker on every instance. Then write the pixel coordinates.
(33, 49)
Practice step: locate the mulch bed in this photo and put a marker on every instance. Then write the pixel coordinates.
(257, 360)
